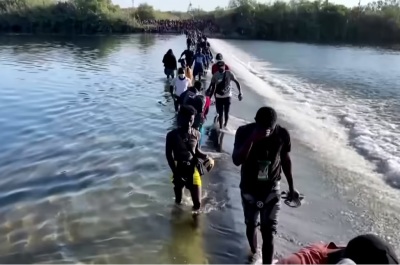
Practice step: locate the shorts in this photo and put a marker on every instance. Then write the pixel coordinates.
(267, 209)
(189, 182)
(222, 105)
(170, 72)
(198, 70)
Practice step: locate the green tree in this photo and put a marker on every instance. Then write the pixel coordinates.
(145, 12)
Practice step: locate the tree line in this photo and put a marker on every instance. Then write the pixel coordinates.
(312, 21)
(74, 17)
(296, 20)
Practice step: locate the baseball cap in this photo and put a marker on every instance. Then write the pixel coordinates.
(370, 249)
(221, 64)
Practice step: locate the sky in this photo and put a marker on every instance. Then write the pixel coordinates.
(182, 5)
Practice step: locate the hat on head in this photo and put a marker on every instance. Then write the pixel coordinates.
(221, 64)
(370, 249)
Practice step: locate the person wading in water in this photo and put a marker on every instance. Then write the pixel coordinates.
(170, 64)
(220, 86)
(183, 153)
(263, 150)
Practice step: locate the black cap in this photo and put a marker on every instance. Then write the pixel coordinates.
(370, 249)
(221, 64)
(197, 85)
(266, 117)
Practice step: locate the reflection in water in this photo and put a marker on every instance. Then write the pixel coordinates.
(146, 41)
(186, 246)
(98, 46)
(83, 173)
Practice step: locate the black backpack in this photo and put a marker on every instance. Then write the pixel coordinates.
(198, 103)
(221, 88)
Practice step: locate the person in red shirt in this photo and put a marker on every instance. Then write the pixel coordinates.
(215, 67)
(363, 249)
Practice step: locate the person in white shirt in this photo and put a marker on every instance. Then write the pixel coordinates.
(179, 85)
(221, 87)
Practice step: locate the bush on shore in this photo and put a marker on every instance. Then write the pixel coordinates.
(296, 20)
(313, 21)
(73, 17)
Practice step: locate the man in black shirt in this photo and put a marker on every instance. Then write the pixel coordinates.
(182, 152)
(189, 57)
(262, 149)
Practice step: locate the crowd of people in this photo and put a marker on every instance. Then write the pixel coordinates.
(261, 148)
(181, 26)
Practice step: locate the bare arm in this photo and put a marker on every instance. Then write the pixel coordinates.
(241, 148)
(169, 153)
(212, 87)
(286, 160)
(233, 78)
(287, 170)
(200, 154)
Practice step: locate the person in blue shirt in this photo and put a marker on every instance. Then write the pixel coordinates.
(199, 64)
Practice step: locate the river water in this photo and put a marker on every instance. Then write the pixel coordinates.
(83, 173)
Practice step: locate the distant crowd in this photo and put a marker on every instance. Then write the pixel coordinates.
(165, 26)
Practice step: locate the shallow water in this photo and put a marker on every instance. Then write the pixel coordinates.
(83, 171)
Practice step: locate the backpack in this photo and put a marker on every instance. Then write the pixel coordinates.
(197, 102)
(221, 88)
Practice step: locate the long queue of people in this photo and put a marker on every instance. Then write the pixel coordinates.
(181, 26)
(198, 56)
(261, 148)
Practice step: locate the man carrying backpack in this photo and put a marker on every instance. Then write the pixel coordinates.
(193, 98)
(214, 68)
(221, 87)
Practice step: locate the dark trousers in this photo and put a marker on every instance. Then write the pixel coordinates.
(223, 106)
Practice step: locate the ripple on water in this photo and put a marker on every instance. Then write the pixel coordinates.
(84, 177)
